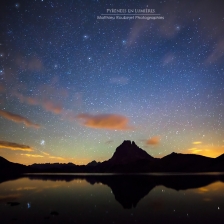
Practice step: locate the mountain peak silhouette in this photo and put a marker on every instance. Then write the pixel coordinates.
(129, 152)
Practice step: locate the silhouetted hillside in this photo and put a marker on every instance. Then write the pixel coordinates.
(60, 167)
(9, 168)
(218, 164)
(177, 162)
(93, 163)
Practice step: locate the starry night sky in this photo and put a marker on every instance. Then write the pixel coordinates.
(73, 87)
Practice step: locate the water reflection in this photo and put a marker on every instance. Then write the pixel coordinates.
(130, 189)
(112, 198)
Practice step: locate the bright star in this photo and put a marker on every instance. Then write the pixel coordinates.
(42, 142)
(85, 37)
(124, 42)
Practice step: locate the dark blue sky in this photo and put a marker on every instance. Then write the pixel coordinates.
(73, 87)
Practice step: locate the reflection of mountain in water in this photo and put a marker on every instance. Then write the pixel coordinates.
(130, 189)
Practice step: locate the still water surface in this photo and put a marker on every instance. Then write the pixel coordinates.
(112, 199)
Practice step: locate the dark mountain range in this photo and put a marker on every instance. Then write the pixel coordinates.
(128, 158)
(60, 167)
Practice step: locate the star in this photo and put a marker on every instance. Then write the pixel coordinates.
(42, 142)
(17, 5)
(85, 37)
(124, 42)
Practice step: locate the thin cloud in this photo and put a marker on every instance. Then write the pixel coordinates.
(48, 97)
(52, 107)
(32, 101)
(136, 31)
(175, 22)
(105, 121)
(55, 157)
(15, 146)
(196, 143)
(46, 154)
(195, 150)
(153, 141)
(48, 105)
(32, 155)
(18, 119)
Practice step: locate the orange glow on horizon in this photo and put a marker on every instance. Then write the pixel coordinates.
(212, 151)
(29, 159)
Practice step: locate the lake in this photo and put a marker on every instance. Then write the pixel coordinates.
(108, 198)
